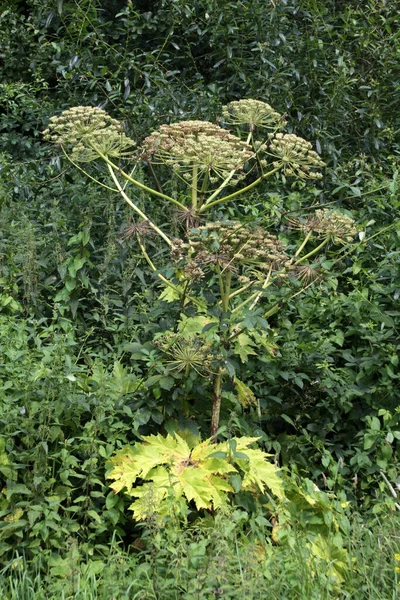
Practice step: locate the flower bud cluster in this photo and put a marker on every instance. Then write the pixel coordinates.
(253, 113)
(232, 247)
(88, 131)
(186, 352)
(295, 156)
(200, 144)
(328, 223)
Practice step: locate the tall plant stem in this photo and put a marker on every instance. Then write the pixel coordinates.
(317, 249)
(194, 188)
(203, 189)
(216, 407)
(300, 248)
(138, 183)
(227, 289)
(242, 289)
(221, 284)
(137, 209)
(209, 204)
(181, 293)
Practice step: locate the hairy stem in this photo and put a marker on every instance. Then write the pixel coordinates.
(216, 407)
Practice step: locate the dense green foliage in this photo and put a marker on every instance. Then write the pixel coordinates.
(212, 561)
(80, 374)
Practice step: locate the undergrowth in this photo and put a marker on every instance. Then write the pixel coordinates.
(203, 562)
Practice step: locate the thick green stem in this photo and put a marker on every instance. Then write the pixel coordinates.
(242, 289)
(317, 249)
(203, 189)
(194, 188)
(216, 407)
(221, 283)
(137, 209)
(309, 234)
(227, 289)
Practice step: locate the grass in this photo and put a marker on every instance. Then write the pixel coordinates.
(217, 562)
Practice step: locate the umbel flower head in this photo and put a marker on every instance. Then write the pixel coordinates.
(328, 223)
(187, 144)
(231, 246)
(186, 352)
(252, 113)
(87, 131)
(295, 155)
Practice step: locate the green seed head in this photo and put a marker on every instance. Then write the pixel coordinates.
(295, 156)
(213, 150)
(326, 223)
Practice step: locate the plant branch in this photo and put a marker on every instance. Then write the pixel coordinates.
(137, 209)
(136, 182)
(304, 243)
(317, 249)
(194, 188)
(86, 173)
(209, 204)
(263, 287)
(154, 269)
(242, 289)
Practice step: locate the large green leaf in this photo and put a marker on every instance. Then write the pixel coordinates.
(197, 474)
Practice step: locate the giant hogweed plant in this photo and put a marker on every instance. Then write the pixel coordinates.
(224, 269)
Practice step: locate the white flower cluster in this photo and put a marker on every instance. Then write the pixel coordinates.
(87, 132)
